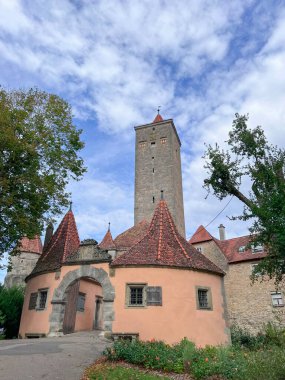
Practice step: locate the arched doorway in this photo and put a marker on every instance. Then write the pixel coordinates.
(59, 300)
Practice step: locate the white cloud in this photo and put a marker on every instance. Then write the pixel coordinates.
(117, 61)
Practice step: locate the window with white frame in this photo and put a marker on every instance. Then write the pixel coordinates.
(256, 248)
(253, 268)
(277, 299)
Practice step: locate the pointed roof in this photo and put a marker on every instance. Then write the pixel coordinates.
(31, 245)
(158, 118)
(131, 236)
(200, 235)
(107, 242)
(164, 246)
(64, 243)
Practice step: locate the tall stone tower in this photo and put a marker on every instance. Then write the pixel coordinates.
(158, 167)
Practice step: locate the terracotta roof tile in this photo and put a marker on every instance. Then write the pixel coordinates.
(131, 236)
(64, 243)
(164, 246)
(107, 242)
(31, 245)
(158, 118)
(230, 249)
(200, 235)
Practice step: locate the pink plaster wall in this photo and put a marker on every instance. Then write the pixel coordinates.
(84, 320)
(178, 316)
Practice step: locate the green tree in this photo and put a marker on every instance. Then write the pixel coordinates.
(39, 148)
(251, 159)
(11, 303)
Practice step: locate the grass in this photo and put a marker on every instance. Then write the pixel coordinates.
(117, 372)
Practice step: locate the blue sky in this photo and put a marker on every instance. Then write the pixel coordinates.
(116, 61)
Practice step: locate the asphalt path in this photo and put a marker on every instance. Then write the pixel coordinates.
(62, 358)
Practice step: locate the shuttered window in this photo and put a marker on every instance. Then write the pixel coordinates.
(33, 301)
(154, 296)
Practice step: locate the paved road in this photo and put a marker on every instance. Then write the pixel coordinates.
(63, 358)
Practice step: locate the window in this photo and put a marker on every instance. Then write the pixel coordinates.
(152, 143)
(80, 302)
(136, 295)
(199, 249)
(153, 199)
(204, 298)
(241, 249)
(142, 144)
(256, 248)
(42, 299)
(33, 301)
(277, 299)
(163, 140)
(253, 266)
(154, 296)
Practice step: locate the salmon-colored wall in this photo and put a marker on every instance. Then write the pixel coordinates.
(178, 316)
(37, 321)
(84, 320)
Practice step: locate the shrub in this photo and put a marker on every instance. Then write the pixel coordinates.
(11, 303)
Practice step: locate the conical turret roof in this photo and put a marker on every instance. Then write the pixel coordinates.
(64, 243)
(31, 245)
(164, 246)
(158, 118)
(107, 242)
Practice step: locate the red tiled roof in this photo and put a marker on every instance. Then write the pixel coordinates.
(31, 245)
(107, 242)
(230, 249)
(64, 243)
(164, 246)
(200, 235)
(131, 236)
(158, 118)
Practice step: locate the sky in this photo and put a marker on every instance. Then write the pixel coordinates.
(115, 62)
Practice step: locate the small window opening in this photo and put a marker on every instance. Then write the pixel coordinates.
(153, 199)
(81, 302)
(153, 170)
(152, 143)
(153, 128)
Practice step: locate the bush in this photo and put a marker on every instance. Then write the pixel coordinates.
(229, 363)
(11, 303)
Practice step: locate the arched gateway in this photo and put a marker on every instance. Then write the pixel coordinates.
(59, 297)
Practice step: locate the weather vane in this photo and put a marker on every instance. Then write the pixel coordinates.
(158, 109)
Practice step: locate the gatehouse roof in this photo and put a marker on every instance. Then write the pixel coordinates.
(164, 246)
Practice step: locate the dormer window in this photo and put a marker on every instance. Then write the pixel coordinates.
(257, 248)
(241, 249)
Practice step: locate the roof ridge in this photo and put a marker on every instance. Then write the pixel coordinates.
(160, 235)
(174, 231)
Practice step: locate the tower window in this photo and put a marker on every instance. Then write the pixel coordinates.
(153, 170)
(142, 144)
(163, 140)
(153, 199)
(152, 143)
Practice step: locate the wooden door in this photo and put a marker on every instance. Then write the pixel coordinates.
(70, 308)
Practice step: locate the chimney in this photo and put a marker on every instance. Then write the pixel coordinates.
(49, 233)
(222, 232)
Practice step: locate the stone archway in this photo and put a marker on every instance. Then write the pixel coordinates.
(58, 300)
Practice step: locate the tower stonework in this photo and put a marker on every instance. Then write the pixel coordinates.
(157, 168)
